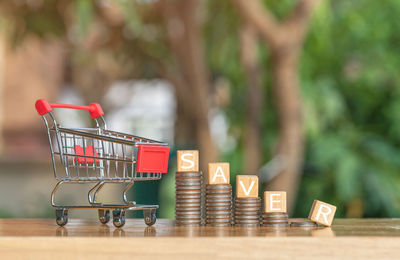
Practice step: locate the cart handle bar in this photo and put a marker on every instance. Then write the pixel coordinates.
(43, 107)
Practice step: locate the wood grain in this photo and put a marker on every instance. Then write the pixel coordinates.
(345, 239)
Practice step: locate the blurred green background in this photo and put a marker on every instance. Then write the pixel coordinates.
(305, 94)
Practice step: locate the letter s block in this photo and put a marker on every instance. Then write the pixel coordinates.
(187, 161)
(275, 201)
(322, 213)
(218, 173)
(246, 186)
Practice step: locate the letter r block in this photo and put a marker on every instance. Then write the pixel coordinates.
(187, 161)
(322, 213)
(275, 201)
(218, 173)
(246, 186)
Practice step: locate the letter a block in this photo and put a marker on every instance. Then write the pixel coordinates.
(322, 213)
(246, 186)
(275, 201)
(187, 161)
(218, 173)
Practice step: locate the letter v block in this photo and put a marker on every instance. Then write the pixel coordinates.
(218, 173)
(322, 213)
(246, 186)
(187, 161)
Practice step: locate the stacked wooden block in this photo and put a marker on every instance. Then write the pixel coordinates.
(247, 204)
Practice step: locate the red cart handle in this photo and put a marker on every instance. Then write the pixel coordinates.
(43, 107)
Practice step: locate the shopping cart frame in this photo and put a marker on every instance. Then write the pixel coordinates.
(96, 159)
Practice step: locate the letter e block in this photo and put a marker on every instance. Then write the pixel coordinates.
(246, 186)
(322, 213)
(187, 161)
(218, 173)
(275, 201)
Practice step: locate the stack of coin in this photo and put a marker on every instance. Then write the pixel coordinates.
(219, 205)
(247, 212)
(275, 219)
(188, 198)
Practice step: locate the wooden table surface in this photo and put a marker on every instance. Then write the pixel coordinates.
(79, 239)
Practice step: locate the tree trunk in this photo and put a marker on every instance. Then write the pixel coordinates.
(291, 139)
(190, 76)
(252, 141)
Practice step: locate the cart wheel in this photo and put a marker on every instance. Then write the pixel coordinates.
(149, 217)
(104, 216)
(119, 218)
(61, 217)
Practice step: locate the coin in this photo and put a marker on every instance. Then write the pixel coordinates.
(303, 224)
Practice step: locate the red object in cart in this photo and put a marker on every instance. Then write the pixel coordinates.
(152, 159)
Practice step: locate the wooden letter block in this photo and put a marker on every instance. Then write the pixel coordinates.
(275, 201)
(218, 173)
(322, 213)
(246, 186)
(187, 161)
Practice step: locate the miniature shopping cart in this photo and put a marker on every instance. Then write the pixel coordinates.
(100, 156)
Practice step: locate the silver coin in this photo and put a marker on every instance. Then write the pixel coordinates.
(188, 200)
(188, 174)
(216, 196)
(218, 204)
(188, 210)
(187, 183)
(189, 196)
(183, 192)
(218, 186)
(275, 216)
(247, 214)
(276, 221)
(275, 225)
(221, 220)
(245, 205)
(225, 222)
(197, 220)
(188, 205)
(246, 225)
(187, 213)
(242, 218)
(216, 201)
(187, 217)
(198, 178)
(303, 224)
(188, 187)
(247, 217)
(183, 203)
(219, 192)
(222, 216)
(184, 180)
(219, 213)
(247, 210)
(247, 201)
(209, 208)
